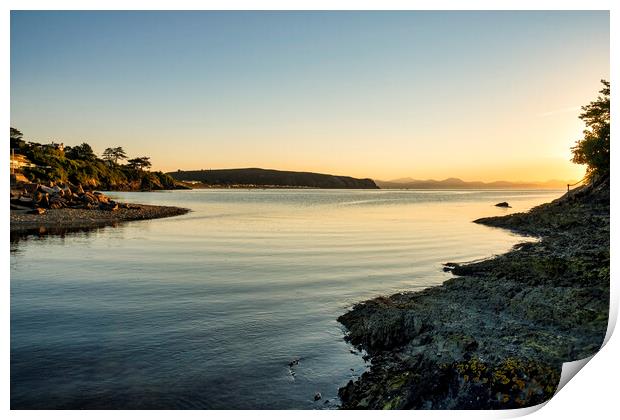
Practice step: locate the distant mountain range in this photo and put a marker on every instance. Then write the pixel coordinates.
(271, 178)
(456, 183)
(257, 177)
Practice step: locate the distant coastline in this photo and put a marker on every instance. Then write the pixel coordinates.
(267, 178)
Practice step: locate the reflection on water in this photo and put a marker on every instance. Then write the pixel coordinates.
(42, 232)
(209, 309)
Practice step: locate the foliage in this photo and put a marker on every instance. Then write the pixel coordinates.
(114, 154)
(81, 152)
(17, 142)
(80, 165)
(593, 148)
(139, 163)
(16, 134)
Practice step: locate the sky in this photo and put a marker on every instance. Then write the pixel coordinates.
(476, 95)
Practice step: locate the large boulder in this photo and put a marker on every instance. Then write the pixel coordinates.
(101, 197)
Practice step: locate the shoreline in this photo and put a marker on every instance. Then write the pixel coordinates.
(69, 218)
(496, 336)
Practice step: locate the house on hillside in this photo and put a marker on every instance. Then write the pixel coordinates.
(53, 146)
(19, 161)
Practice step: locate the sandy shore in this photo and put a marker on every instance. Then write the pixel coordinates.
(67, 218)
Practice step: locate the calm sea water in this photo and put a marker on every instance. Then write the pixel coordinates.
(208, 309)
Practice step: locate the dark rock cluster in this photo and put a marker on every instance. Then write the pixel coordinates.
(37, 198)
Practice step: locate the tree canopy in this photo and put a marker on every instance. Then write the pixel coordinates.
(114, 154)
(593, 149)
(81, 152)
(16, 134)
(16, 139)
(139, 163)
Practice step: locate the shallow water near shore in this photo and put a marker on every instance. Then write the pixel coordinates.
(212, 308)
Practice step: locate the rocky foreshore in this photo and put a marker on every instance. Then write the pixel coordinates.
(496, 336)
(45, 208)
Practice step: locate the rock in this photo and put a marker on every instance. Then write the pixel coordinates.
(503, 204)
(31, 188)
(46, 189)
(317, 396)
(100, 197)
(294, 362)
(37, 210)
(42, 199)
(89, 198)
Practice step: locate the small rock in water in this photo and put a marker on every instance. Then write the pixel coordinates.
(317, 396)
(502, 204)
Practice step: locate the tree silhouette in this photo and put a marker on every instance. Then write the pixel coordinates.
(16, 139)
(593, 148)
(139, 163)
(81, 152)
(16, 134)
(114, 154)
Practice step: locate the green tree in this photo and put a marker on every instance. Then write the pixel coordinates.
(593, 148)
(114, 154)
(139, 163)
(16, 134)
(81, 152)
(16, 139)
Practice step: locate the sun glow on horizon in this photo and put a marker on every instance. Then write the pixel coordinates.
(481, 96)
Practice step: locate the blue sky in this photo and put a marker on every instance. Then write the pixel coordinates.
(480, 95)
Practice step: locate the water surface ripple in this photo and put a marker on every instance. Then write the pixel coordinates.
(207, 310)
